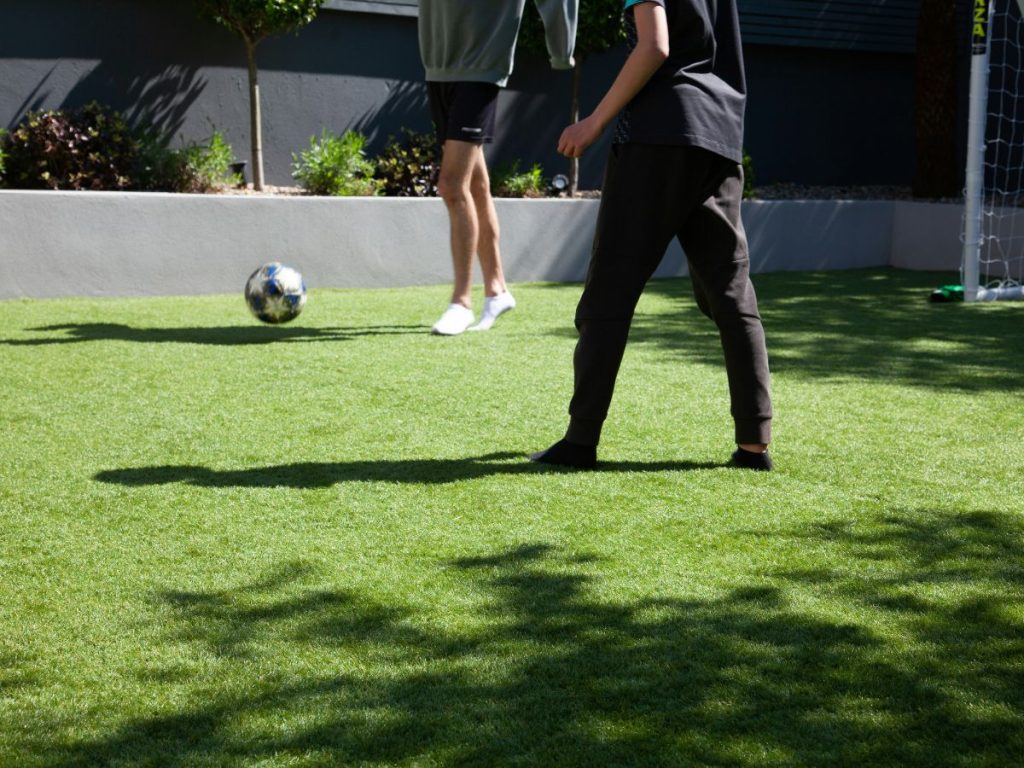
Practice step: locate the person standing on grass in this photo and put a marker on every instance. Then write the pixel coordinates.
(467, 47)
(675, 170)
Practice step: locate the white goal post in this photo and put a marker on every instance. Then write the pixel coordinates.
(993, 233)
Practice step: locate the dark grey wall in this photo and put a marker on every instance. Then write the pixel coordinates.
(156, 61)
(814, 116)
(830, 117)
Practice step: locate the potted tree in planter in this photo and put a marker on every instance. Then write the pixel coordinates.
(255, 21)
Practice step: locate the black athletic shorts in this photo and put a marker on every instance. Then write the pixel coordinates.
(463, 111)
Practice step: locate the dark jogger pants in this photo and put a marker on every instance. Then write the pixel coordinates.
(652, 193)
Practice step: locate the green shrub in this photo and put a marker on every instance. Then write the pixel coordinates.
(409, 167)
(336, 165)
(509, 182)
(209, 164)
(161, 168)
(91, 147)
(748, 176)
(197, 167)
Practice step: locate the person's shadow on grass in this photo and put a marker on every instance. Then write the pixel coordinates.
(229, 335)
(317, 474)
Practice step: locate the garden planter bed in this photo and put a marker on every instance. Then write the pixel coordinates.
(120, 244)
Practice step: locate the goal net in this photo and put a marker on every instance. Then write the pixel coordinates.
(993, 235)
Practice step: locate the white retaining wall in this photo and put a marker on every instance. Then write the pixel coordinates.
(121, 244)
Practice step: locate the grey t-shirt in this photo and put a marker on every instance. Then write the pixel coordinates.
(475, 40)
(698, 95)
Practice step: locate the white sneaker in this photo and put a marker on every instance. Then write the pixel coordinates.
(494, 307)
(454, 321)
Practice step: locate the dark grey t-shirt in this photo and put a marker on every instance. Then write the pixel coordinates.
(697, 96)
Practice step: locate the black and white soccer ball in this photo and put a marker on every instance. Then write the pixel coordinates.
(275, 293)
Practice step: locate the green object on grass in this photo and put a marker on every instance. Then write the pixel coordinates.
(945, 294)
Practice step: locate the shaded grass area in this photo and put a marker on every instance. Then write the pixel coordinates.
(867, 325)
(320, 544)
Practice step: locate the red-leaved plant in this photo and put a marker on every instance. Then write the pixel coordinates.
(91, 147)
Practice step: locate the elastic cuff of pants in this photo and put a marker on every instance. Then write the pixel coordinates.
(754, 431)
(584, 431)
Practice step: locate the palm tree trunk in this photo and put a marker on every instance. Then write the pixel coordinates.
(255, 117)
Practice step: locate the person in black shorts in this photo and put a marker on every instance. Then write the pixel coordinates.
(675, 171)
(464, 116)
(467, 52)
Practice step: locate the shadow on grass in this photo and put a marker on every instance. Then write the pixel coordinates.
(415, 471)
(805, 671)
(13, 676)
(875, 325)
(229, 335)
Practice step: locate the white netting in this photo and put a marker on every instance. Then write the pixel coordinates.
(1001, 256)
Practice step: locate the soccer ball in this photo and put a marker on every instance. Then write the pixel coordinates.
(275, 293)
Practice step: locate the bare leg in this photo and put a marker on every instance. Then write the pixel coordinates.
(489, 230)
(454, 186)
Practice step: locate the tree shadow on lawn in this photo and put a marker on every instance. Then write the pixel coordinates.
(866, 324)
(230, 335)
(799, 672)
(13, 675)
(316, 474)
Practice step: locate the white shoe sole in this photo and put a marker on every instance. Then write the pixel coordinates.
(437, 332)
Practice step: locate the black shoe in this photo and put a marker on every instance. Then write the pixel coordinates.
(760, 462)
(566, 454)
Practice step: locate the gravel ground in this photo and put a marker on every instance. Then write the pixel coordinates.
(268, 191)
(807, 192)
(859, 192)
(768, 192)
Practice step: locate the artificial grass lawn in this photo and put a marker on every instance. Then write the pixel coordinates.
(320, 544)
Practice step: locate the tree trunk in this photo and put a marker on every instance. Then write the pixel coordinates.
(574, 116)
(255, 118)
(936, 173)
